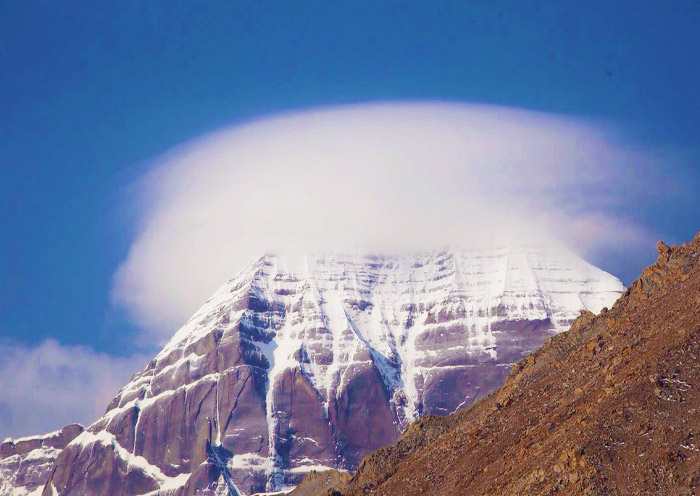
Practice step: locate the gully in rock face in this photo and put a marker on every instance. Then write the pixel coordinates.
(285, 371)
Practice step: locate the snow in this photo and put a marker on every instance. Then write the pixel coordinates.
(150, 401)
(20, 473)
(393, 313)
(87, 438)
(196, 327)
(42, 453)
(250, 461)
(31, 438)
(304, 469)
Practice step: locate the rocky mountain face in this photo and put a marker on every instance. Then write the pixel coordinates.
(611, 407)
(25, 463)
(292, 368)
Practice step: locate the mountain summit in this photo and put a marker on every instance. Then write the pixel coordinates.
(610, 407)
(289, 368)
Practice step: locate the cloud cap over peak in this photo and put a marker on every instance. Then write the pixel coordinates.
(380, 177)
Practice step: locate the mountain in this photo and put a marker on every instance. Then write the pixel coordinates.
(25, 463)
(611, 407)
(293, 367)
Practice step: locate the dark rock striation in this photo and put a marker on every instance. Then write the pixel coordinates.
(611, 407)
(25, 463)
(293, 368)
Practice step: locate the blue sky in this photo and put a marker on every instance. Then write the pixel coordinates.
(91, 92)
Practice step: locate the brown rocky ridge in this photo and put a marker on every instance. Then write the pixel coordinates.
(611, 407)
(322, 483)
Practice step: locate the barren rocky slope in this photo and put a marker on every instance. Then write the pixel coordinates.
(290, 368)
(611, 407)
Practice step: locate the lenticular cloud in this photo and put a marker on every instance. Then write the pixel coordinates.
(379, 177)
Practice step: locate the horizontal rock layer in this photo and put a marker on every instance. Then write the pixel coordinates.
(292, 368)
(608, 408)
(25, 463)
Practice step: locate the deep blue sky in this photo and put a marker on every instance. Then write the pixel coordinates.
(90, 90)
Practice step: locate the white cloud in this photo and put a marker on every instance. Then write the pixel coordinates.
(46, 387)
(375, 176)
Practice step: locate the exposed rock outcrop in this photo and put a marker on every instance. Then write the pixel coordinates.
(611, 407)
(289, 369)
(25, 463)
(328, 483)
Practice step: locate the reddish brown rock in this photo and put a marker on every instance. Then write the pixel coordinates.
(610, 407)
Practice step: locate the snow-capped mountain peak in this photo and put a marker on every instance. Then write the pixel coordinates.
(294, 365)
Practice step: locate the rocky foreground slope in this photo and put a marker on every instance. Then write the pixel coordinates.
(611, 407)
(25, 463)
(293, 368)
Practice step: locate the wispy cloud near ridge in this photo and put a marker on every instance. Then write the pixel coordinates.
(45, 387)
(380, 177)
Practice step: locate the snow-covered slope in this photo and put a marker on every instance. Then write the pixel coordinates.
(25, 463)
(294, 367)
